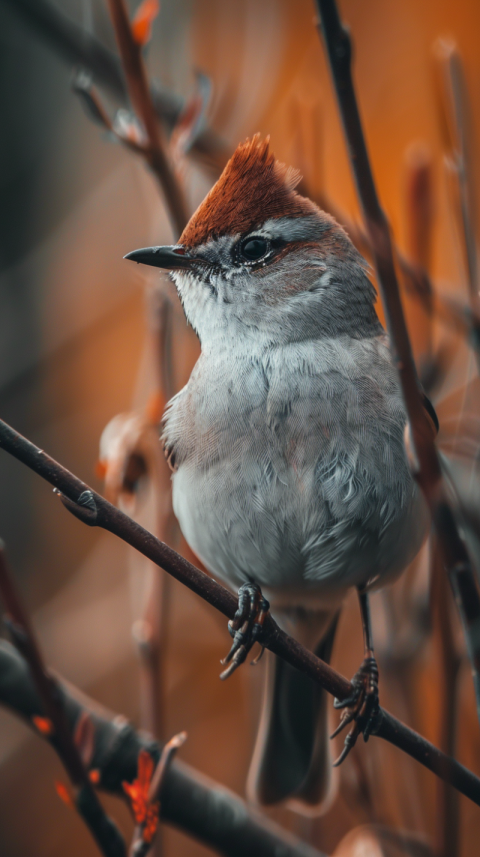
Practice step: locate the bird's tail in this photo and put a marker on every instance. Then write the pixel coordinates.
(292, 759)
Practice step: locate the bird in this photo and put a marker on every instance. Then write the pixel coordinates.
(290, 477)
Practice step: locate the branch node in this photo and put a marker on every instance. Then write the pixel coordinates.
(85, 508)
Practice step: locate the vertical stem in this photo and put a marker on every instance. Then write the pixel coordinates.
(138, 90)
(428, 472)
(153, 647)
(419, 221)
(102, 828)
(447, 809)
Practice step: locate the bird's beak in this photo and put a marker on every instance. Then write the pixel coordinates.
(172, 258)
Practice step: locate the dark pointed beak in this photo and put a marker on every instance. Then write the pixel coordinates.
(171, 258)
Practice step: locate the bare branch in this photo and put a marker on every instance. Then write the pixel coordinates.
(454, 552)
(138, 90)
(103, 829)
(144, 832)
(459, 167)
(455, 106)
(77, 47)
(447, 802)
(189, 800)
(94, 510)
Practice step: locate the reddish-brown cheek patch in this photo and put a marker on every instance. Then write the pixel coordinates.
(253, 188)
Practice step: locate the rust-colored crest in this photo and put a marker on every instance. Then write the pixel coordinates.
(253, 187)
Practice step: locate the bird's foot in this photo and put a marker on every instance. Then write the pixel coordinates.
(361, 708)
(246, 626)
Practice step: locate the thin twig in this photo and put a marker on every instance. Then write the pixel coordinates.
(93, 510)
(77, 47)
(190, 801)
(419, 222)
(157, 607)
(168, 752)
(102, 828)
(447, 803)
(142, 840)
(139, 92)
(458, 162)
(455, 105)
(428, 472)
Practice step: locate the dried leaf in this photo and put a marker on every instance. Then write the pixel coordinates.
(151, 822)
(143, 20)
(64, 794)
(43, 725)
(138, 790)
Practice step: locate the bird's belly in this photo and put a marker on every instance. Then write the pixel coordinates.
(282, 535)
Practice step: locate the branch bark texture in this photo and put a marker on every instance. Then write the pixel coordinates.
(197, 805)
(429, 475)
(138, 89)
(102, 828)
(94, 510)
(77, 47)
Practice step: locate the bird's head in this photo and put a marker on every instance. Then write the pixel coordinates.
(259, 264)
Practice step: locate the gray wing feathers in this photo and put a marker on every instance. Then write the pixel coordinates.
(297, 456)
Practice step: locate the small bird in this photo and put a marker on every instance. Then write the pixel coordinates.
(290, 477)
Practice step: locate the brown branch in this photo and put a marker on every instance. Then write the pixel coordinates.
(419, 221)
(139, 92)
(447, 803)
(141, 840)
(456, 115)
(458, 163)
(102, 828)
(189, 800)
(94, 510)
(77, 47)
(156, 613)
(454, 552)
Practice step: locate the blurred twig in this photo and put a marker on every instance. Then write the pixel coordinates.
(153, 148)
(189, 800)
(142, 837)
(427, 465)
(456, 122)
(79, 48)
(102, 828)
(93, 510)
(447, 809)
(459, 167)
(419, 221)
(155, 617)
(130, 458)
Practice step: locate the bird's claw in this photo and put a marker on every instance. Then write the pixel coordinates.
(246, 626)
(362, 707)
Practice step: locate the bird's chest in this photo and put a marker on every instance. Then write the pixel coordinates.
(287, 466)
(235, 422)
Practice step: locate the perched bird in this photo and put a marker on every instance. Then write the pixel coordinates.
(290, 477)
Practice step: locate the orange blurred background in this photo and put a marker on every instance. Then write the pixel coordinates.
(76, 346)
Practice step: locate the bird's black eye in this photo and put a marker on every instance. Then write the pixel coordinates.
(254, 248)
